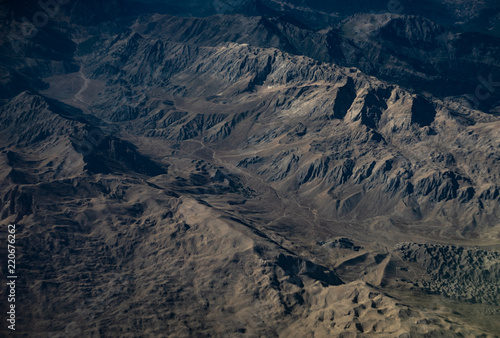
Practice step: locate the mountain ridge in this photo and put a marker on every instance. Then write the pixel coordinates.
(238, 175)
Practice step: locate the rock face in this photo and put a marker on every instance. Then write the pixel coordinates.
(236, 175)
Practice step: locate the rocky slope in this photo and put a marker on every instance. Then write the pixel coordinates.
(411, 51)
(123, 252)
(228, 176)
(342, 136)
(469, 274)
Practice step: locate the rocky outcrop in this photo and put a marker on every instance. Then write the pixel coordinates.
(462, 273)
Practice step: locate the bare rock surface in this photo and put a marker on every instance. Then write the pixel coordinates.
(251, 174)
(469, 274)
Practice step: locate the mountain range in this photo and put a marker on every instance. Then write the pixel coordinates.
(252, 168)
